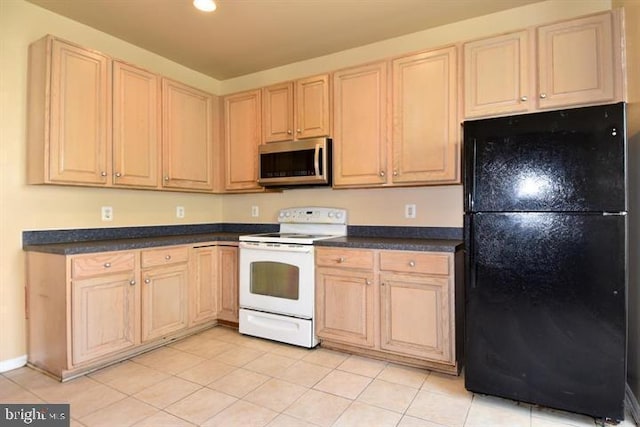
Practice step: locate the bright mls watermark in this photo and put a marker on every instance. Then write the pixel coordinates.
(35, 415)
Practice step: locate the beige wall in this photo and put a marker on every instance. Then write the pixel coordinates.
(25, 207)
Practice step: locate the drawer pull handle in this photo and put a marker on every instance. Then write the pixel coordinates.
(412, 263)
(107, 265)
(132, 282)
(147, 281)
(341, 260)
(367, 281)
(168, 257)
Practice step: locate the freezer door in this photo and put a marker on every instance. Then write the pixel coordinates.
(545, 313)
(570, 160)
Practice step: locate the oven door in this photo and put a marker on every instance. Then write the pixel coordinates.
(277, 278)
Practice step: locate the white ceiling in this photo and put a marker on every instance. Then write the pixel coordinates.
(245, 36)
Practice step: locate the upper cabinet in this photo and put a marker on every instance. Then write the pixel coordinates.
(69, 127)
(242, 136)
(577, 62)
(187, 137)
(296, 110)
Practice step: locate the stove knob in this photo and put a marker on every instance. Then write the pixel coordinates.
(330, 214)
(339, 215)
(281, 215)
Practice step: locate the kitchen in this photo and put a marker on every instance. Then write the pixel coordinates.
(439, 206)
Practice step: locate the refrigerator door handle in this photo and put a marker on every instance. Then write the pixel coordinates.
(614, 214)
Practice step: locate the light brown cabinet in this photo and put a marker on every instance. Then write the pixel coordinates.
(228, 284)
(395, 305)
(360, 137)
(296, 110)
(576, 62)
(242, 136)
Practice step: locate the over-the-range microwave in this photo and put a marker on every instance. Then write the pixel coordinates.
(295, 163)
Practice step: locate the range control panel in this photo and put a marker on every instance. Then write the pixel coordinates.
(313, 215)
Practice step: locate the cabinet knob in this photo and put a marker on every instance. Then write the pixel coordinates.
(168, 257)
(395, 172)
(107, 264)
(118, 174)
(543, 95)
(103, 173)
(166, 178)
(382, 173)
(132, 282)
(147, 281)
(299, 130)
(523, 98)
(341, 260)
(367, 281)
(289, 132)
(412, 263)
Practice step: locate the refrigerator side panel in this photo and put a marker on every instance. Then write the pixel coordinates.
(545, 311)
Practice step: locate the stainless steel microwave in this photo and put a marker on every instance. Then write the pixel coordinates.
(295, 163)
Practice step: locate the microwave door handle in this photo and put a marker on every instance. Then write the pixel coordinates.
(316, 160)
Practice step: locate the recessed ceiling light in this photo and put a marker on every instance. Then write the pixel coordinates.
(204, 5)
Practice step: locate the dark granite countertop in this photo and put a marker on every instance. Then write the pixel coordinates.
(80, 241)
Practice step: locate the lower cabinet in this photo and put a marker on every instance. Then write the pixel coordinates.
(395, 305)
(228, 297)
(86, 311)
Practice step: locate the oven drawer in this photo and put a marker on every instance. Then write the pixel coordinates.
(416, 262)
(341, 257)
(164, 256)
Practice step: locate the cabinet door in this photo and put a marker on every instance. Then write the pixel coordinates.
(345, 306)
(360, 126)
(575, 62)
(136, 126)
(203, 287)
(80, 116)
(415, 317)
(425, 129)
(496, 75)
(312, 107)
(164, 300)
(187, 137)
(277, 112)
(103, 316)
(228, 279)
(242, 136)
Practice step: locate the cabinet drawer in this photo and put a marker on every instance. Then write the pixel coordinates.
(415, 262)
(340, 257)
(95, 265)
(164, 256)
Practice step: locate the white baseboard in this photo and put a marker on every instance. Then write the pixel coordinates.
(631, 403)
(8, 365)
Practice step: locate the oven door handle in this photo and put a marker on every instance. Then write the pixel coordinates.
(276, 247)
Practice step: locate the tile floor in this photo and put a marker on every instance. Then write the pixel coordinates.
(221, 378)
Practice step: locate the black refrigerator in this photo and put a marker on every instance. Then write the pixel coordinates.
(546, 257)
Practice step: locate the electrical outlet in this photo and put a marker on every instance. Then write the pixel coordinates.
(179, 211)
(410, 211)
(255, 211)
(107, 213)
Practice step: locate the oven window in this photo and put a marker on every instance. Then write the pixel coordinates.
(275, 279)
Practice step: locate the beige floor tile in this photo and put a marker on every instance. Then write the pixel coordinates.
(343, 384)
(97, 398)
(409, 421)
(362, 366)
(329, 358)
(318, 407)
(166, 392)
(554, 416)
(243, 414)
(499, 412)
(207, 372)
(270, 364)
(275, 394)
(162, 419)
(405, 375)
(284, 420)
(218, 332)
(129, 377)
(239, 356)
(445, 384)
(541, 422)
(360, 414)
(239, 382)
(169, 360)
(16, 394)
(291, 351)
(203, 346)
(395, 397)
(304, 373)
(58, 392)
(29, 379)
(440, 409)
(257, 343)
(75, 423)
(201, 405)
(125, 412)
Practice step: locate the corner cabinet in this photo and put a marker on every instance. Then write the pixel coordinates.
(403, 306)
(242, 136)
(574, 62)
